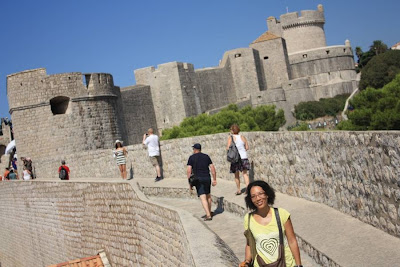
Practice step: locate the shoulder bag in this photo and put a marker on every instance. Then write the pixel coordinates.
(252, 243)
(232, 154)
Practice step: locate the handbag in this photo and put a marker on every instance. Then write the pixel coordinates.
(280, 262)
(232, 155)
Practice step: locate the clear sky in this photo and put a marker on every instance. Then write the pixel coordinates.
(120, 36)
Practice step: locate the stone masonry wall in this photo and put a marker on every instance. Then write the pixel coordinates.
(138, 112)
(353, 172)
(51, 222)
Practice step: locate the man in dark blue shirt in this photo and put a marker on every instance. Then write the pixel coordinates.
(201, 165)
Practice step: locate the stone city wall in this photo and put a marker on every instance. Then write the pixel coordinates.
(353, 172)
(45, 223)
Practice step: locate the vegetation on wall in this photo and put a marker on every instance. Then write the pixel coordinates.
(261, 118)
(315, 109)
(380, 70)
(375, 109)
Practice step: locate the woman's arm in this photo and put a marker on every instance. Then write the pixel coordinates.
(292, 241)
(246, 144)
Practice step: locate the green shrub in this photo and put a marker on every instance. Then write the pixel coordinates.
(301, 127)
(380, 70)
(375, 109)
(315, 109)
(261, 118)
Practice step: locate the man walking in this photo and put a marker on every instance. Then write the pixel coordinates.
(201, 165)
(153, 147)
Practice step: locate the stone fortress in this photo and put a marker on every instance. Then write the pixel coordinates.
(287, 64)
(78, 117)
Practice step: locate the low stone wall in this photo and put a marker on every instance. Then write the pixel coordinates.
(43, 223)
(353, 172)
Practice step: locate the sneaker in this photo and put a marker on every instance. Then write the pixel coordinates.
(158, 179)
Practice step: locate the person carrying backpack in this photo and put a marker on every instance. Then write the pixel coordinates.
(242, 163)
(63, 171)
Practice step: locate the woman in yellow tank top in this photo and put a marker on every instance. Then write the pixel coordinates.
(264, 227)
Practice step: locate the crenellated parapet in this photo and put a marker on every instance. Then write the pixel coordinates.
(35, 88)
(302, 31)
(306, 18)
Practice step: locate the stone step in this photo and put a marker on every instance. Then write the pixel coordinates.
(330, 237)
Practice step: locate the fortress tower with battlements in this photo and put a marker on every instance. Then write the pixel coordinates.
(64, 113)
(73, 112)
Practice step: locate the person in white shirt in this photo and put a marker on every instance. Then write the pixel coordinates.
(244, 164)
(153, 147)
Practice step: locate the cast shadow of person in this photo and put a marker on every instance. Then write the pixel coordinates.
(220, 206)
(251, 176)
(131, 173)
(251, 172)
(161, 165)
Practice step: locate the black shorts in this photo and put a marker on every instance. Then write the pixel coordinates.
(203, 186)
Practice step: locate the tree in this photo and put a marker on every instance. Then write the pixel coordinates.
(375, 109)
(261, 118)
(359, 53)
(378, 47)
(380, 70)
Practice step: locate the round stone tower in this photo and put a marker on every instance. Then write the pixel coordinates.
(303, 32)
(56, 115)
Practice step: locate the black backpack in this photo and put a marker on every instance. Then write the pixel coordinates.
(63, 174)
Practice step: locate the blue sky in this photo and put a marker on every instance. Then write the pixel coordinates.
(118, 37)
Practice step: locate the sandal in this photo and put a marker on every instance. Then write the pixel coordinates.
(238, 193)
(208, 218)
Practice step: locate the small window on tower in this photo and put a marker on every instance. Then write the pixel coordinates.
(238, 55)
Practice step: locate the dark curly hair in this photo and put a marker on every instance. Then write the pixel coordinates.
(267, 189)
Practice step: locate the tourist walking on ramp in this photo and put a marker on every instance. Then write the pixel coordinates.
(153, 148)
(243, 165)
(267, 228)
(63, 171)
(201, 165)
(120, 154)
(26, 174)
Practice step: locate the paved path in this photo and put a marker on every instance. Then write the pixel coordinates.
(342, 238)
(228, 226)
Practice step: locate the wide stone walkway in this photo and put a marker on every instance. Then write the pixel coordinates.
(338, 237)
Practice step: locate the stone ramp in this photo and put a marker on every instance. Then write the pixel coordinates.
(330, 237)
(228, 226)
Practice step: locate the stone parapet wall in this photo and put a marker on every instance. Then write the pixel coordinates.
(50, 222)
(353, 172)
